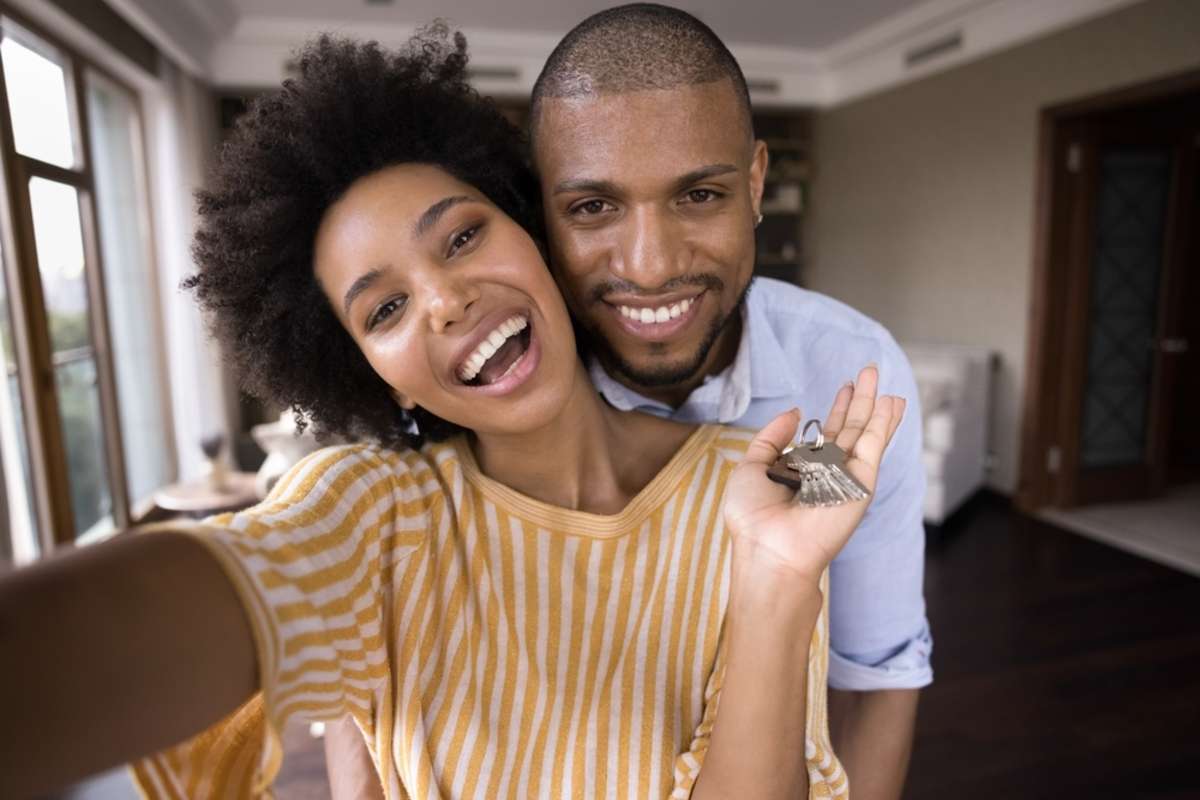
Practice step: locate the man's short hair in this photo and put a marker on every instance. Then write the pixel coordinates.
(637, 47)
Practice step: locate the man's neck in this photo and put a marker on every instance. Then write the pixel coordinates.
(720, 356)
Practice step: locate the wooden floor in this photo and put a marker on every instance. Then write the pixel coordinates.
(1064, 669)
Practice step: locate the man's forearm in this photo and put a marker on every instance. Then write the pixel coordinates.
(757, 744)
(873, 735)
(352, 774)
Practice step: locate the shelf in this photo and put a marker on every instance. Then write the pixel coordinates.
(774, 260)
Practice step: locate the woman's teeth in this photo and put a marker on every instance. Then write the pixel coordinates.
(488, 347)
(656, 315)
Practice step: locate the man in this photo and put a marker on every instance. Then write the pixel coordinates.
(652, 184)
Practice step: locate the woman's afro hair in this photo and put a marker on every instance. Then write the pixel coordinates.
(354, 109)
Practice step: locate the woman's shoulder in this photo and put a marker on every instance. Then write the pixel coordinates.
(730, 441)
(411, 472)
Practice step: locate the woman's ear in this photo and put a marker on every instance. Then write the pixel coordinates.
(403, 400)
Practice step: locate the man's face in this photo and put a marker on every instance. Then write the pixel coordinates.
(650, 201)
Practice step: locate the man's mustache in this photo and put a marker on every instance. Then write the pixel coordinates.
(605, 288)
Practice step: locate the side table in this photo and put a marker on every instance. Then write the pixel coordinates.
(198, 499)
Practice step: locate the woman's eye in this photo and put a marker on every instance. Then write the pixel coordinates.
(462, 239)
(589, 208)
(703, 196)
(384, 311)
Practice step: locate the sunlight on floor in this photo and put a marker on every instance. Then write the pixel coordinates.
(1165, 530)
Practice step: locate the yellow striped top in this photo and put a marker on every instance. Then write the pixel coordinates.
(488, 645)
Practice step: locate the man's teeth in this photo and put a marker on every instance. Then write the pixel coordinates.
(656, 315)
(488, 347)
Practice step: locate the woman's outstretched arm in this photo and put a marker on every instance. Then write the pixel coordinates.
(114, 651)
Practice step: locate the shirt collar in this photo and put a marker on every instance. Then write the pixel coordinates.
(771, 374)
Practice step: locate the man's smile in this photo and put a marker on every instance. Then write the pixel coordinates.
(656, 319)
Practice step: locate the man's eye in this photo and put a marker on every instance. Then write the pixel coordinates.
(462, 239)
(703, 196)
(384, 311)
(589, 208)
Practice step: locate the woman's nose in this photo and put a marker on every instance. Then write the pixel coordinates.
(449, 299)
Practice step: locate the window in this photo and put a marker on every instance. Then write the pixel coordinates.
(84, 426)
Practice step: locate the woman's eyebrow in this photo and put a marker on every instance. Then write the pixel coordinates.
(360, 285)
(435, 212)
(420, 227)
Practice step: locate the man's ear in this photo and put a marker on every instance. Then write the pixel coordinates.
(758, 174)
(403, 400)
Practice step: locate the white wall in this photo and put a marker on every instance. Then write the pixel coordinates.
(923, 196)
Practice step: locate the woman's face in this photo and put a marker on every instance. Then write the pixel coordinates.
(448, 298)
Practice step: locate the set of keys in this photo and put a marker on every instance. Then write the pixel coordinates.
(817, 471)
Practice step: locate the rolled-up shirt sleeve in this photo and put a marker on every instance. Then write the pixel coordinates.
(879, 634)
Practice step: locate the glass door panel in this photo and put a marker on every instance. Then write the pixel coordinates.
(22, 545)
(38, 85)
(1128, 242)
(130, 285)
(58, 238)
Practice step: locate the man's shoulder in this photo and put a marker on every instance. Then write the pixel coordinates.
(793, 310)
(804, 321)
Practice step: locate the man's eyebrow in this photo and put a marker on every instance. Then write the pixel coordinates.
(588, 185)
(435, 212)
(703, 173)
(360, 285)
(597, 186)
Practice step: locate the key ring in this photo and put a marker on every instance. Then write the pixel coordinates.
(817, 443)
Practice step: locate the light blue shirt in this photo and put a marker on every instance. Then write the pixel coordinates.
(797, 349)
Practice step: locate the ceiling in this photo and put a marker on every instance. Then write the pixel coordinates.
(808, 24)
(793, 52)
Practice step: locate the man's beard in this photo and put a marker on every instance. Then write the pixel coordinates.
(668, 374)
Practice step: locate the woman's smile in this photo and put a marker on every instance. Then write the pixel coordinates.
(502, 353)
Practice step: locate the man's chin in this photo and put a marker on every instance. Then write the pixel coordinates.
(659, 375)
(657, 370)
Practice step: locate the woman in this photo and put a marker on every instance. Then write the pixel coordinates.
(513, 589)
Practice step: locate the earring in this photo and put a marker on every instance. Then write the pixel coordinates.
(757, 220)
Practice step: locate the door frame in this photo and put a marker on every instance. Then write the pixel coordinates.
(1042, 476)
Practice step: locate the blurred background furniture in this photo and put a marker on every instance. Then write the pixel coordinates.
(200, 498)
(283, 446)
(954, 382)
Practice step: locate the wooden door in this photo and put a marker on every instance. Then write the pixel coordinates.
(1129, 178)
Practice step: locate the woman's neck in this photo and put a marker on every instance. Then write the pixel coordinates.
(590, 457)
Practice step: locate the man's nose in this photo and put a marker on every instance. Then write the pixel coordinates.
(448, 298)
(650, 251)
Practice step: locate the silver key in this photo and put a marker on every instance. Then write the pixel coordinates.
(817, 471)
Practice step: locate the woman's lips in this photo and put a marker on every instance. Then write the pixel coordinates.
(518, 374)
(657, 331)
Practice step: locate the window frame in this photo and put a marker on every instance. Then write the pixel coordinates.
(31, 334)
